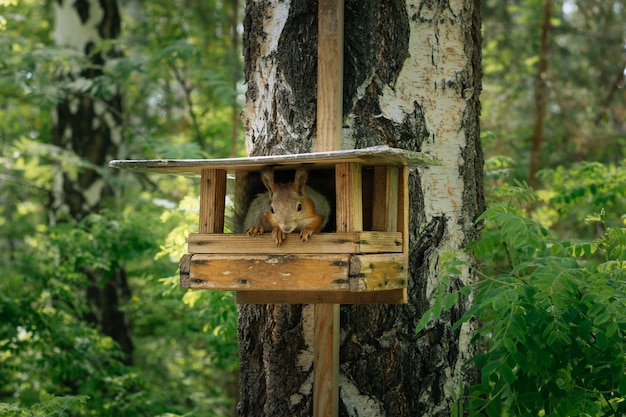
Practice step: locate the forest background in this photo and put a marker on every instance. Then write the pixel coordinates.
(552, 252)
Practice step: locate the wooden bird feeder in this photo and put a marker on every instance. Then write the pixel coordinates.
(362, 259)
(367, 263)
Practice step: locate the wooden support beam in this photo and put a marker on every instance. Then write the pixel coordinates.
(385, 189)
(329, 75)
(329, 138)
(397, 296)
(212, 200)
(326, 361)
(349, 195)
(403, 206)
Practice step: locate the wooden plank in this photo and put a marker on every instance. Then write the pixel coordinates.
(348, 186)
(329, 138)
(378, 272)
(385, 196)
(397, 296)
(376, 155)
(329, 75)
(319, 243)
(326, 360)
(212, 201)
(269, 272)
(185, 262)
(403, 208)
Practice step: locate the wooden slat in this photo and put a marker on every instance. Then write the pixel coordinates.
(385, 196)
(348, 190)
(212, 201)
(269, 272)
(376, 155)
(329, 75)
(185, 262)
(326, 360)
(398, 296)
(322, 243)
(403, 207)
(378, 272)
(329, 138)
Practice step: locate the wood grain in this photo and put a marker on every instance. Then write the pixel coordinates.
(397, 296)
(322, 243)
(385, 199)
(212, 201)
(348, 186)
(376, 155)
(378, 272)
(185, 262)
(269, 272)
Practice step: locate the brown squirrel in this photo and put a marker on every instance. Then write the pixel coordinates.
(286, 208)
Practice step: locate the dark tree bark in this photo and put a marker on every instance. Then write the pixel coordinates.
(411, 80)
(541, 94)
(89, 125)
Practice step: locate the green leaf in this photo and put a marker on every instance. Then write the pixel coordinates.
(622, 386)
(601, 340)
(509, 345)
(426, 317)
(506, 373)
(450, 300)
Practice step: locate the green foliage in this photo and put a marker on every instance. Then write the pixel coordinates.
(584, 189)
(554, 325)
(444, 298)
(178, 74)
(48, 406)
(585, 103)
(186, 356)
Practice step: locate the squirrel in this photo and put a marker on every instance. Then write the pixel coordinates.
(287, 207)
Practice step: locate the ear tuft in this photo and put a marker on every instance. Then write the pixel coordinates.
(301, 177)
(267, 176)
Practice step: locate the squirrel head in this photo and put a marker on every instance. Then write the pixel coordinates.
(288, 201)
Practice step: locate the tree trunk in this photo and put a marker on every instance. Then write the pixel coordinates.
(411, 80)
(89, 125)
(541, 92)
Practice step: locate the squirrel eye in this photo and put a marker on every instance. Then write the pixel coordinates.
(299, 208)
(272, 209)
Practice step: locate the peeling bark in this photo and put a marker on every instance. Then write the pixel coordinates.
(411, 80)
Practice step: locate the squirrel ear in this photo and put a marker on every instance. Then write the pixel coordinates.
(301, 177)
(267, 176)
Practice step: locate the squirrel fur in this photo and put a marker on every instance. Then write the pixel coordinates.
(287, 207)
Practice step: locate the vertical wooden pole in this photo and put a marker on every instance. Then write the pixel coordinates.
(212, 200)
(329, 121)
(329, 75)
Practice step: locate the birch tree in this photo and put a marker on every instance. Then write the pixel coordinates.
(88, 125)
(412, 80)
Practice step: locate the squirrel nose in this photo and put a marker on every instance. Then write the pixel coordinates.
(287, 228)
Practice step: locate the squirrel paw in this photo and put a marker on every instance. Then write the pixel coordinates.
(306, 233)
(278, 236)
(255, 230)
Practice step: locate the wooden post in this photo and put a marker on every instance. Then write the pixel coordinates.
(385, 190)
(212, 200)
(329, 122)
(329, 75)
